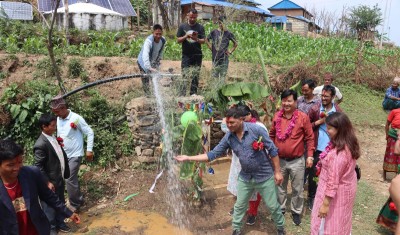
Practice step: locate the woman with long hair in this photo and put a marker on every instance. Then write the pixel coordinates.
(337, 179)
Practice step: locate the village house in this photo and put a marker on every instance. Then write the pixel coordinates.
(291, 17)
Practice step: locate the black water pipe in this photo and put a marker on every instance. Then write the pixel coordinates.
(98, 82)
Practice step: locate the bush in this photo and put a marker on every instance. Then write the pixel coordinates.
(75, 67)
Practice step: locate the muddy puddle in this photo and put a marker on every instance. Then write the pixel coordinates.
(129, 222)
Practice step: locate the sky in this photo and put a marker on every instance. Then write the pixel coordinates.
(392, 27)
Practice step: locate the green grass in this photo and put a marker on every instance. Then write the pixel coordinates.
(363, 105)
(366, 208)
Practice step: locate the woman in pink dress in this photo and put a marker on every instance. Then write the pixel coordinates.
(337, 181)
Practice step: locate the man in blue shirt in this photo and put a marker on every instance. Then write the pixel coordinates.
(259, 159)
(392, 96)
(317, 115)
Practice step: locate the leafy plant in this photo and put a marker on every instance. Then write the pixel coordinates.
(24, 104)
(75, 67)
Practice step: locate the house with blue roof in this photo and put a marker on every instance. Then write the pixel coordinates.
(291, 17)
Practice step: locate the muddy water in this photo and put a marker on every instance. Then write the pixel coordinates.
(132, 222)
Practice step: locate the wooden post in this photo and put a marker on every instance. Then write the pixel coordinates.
(138, 16)
(66, 21)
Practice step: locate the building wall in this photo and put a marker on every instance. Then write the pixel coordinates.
(207, 12)
(298, 26)
(84, 21)
(295, 12)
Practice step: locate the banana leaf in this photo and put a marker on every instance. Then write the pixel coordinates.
(191, 146)
(244, 90)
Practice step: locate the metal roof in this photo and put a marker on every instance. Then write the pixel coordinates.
(124, 7)
(88, 8)
(16, 10)
(227, 4)
(283, 20)
(285, 4)
(276, 19)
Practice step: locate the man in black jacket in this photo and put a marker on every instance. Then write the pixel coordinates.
(52, 161)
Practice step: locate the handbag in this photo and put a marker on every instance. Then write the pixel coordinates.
(358, 172)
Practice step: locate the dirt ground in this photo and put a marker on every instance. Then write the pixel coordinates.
(106, 189)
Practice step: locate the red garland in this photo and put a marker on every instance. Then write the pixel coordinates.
(283, 137)
(328, 148)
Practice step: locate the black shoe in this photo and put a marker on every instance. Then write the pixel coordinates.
(310, 203)
(251, 219)
(281, 231)
(236, 232)
(64, 228)
(296, 219)
(231, 212)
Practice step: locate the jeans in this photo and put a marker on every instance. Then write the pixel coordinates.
(191, 66)
(267, 190)
(74, 193)
(145, 81)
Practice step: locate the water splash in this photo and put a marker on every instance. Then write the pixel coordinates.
(175, 200)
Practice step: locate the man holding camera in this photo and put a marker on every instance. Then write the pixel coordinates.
(191, 35)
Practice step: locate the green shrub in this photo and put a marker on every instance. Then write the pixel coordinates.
(75, 67)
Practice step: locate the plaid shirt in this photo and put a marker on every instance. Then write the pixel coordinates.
(305, 106)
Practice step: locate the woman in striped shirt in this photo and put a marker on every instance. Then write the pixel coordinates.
(337, 183)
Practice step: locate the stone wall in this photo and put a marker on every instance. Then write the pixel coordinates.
(143, 120)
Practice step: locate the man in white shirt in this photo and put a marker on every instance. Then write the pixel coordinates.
(328, 79)
(72, 128)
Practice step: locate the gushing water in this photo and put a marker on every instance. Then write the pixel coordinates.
(174, 200)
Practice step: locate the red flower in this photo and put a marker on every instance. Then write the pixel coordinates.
(322, 115)
(318, 172)
(392, 206)
(60, 141)
(255, 145)
(73, 125)
(260, 146)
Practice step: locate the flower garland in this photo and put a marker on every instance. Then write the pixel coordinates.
(283, 137)
(328, 148)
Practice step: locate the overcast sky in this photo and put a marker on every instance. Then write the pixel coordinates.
(392, 25)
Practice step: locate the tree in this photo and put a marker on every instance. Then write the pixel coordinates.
(364, 19)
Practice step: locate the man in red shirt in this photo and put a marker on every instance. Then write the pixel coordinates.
(21, 187)
(290, 131)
